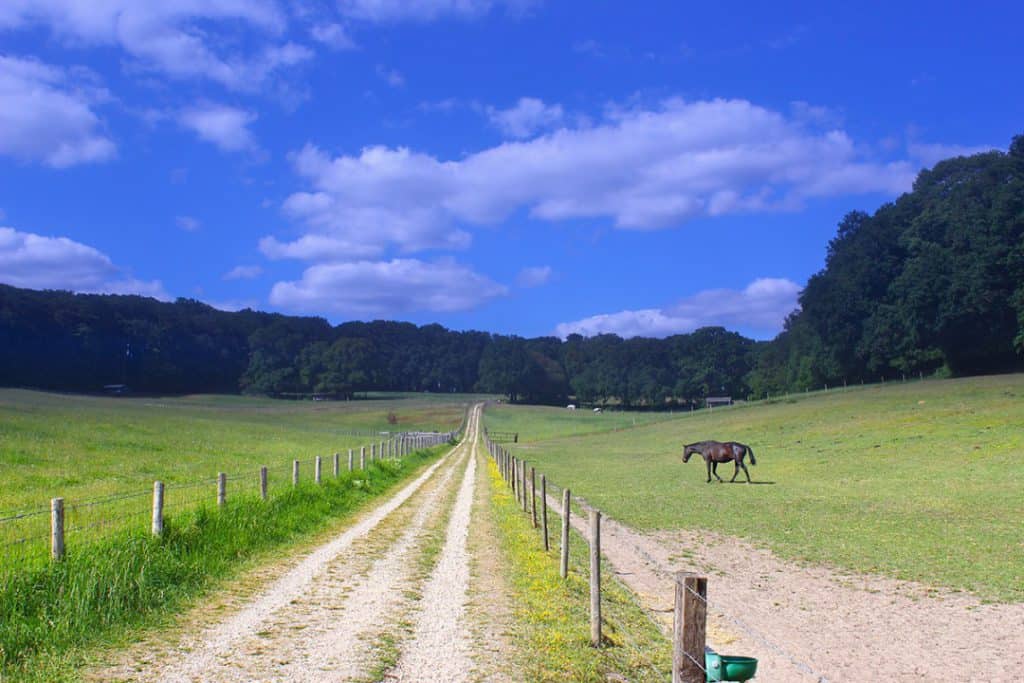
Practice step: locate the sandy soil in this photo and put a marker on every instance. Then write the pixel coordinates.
(816, 624)
(354, 604)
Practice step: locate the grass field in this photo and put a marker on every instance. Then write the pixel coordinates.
(921, 480)
(82, 447)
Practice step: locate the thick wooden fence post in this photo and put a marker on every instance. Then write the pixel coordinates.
(158, 508)
(57, 528)
(688, 628)
(317, 469)
(566, 512)
(533, 496)
(362, 457)
(350, 458)
(222, 489)
(337, 465)
(263, 482)
(295, 472)
(595, 578)
(544, 509)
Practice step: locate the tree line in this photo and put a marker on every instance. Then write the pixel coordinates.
(932, 283)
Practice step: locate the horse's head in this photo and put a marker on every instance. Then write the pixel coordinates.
(688, 451)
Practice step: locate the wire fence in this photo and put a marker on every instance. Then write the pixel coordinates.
(32, 537)
(514, 472)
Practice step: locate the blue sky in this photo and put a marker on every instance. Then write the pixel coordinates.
(517, 167)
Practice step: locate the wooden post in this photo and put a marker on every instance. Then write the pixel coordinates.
(362, 457)
(544, 510)
(57, 528)
(350, 456)
(337, 468)
(158, 508)
(295, 472)
(222, 489)
(263, 482)
(688, 628)
(526, 498)
(317, 469)
(533, 495)
(564, 566)
(595, 578)
(512, 479)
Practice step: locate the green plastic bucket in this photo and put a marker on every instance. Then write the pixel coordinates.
(729, 667)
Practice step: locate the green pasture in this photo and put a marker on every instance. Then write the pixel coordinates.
(917, 480)
(83, 447)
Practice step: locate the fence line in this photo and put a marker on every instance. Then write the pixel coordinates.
(30, 537)
(690, 600)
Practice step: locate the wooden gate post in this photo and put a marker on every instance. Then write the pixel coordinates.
(564, 566)
(595, 578)
(688, 628)
(158, 508)
(57, 528)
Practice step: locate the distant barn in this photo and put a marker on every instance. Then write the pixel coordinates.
(713, 401)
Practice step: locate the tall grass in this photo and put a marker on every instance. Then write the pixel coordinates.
(50, 613)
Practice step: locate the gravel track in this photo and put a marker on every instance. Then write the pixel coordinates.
(441, 642)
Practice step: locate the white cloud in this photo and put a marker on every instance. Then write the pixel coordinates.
(930, 154)
(641, 168)
(533, 276)
(243, 273)
(529, 115)
(391, 76)
(424, 10)
(761, 308)
(385, 288)
(188, 223)
(46, 115)
(179, 38)
(38, 262)
(224, 126)
(333, 36)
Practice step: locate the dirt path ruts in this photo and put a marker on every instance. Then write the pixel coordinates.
(815, 624)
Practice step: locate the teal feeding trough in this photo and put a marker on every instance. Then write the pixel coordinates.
(728, 667)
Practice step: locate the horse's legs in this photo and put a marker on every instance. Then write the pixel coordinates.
(736, 470)
(744, 471)
(714, 468)
(708, 462)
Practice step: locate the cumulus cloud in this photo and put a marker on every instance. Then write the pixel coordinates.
(47, 116)
(760, 308)
(533, 276)
(333, 36)
(224, 126)
(641, 168)
(529, 115)
(243, 273)
(38, 262)
(930, 154)
(385, 288)
(188, 223)
(424, 10)
(179, 38)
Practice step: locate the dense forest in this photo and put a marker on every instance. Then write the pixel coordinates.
(932, 283)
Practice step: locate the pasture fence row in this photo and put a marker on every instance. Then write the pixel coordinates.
(689, 624)
(31, 537)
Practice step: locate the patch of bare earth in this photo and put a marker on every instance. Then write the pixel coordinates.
(816, 624)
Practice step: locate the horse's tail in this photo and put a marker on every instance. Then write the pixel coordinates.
(750, 451)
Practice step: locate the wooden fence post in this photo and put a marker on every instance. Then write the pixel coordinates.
(222, 489)
(688, 628)
(295, 472)
(317, 469)
(337, 468)
(526, 498)
(512, 479)
(350, 456)
(544, 509)
(533, 495)
(263, 482)
(362, 457)
(564, 566)
(595, 578)
(57, 528)
(158, 508)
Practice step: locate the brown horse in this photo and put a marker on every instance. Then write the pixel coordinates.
(715, 452)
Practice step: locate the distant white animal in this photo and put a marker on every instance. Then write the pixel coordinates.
(571, 406)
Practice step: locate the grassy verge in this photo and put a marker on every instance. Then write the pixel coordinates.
(917, 480)
(50, 616)
(552, 614)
